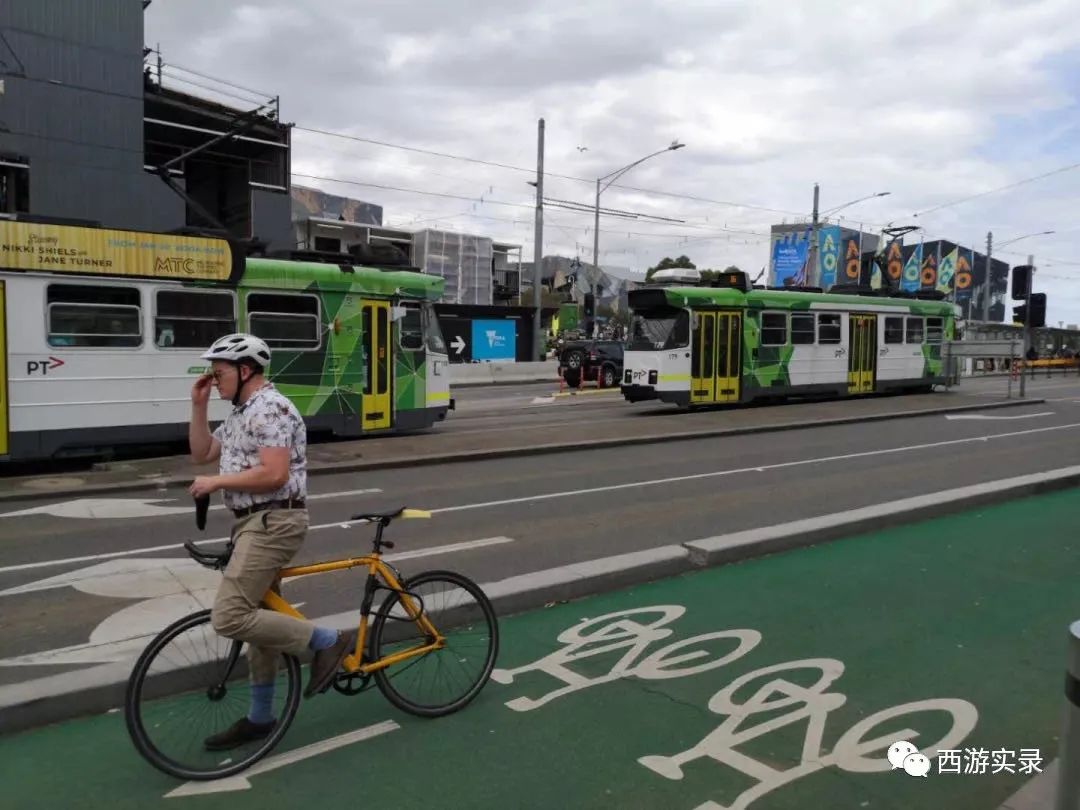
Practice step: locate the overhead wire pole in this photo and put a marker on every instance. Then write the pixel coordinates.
(986, 282)
(811, 255)
(538, 239)
(812, 248)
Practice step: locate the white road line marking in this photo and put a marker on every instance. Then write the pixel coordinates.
(589, 491)
(119, 508)
(281, 760)
(404, 555)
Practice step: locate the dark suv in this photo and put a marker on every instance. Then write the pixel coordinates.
(600, 360)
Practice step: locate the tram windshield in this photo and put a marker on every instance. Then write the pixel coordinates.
(660, 328)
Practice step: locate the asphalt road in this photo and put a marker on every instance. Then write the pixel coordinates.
(514, 516)
(495, 407)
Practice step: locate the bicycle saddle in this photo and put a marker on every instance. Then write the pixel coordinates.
(380, 516)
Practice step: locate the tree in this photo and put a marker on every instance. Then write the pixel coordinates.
(667, 262)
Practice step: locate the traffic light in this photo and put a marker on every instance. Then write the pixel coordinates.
(590, 304)
(1038, 310)
(1021, 281)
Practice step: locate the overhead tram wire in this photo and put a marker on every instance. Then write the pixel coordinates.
(1059, 170)
(433, 153)
(532, 171)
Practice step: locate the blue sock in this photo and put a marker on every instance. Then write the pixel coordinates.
(262, 698)
(322, 638)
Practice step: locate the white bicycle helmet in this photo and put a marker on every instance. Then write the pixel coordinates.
(237, 347)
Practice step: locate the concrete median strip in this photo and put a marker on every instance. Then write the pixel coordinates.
(101, 688)
(83, 489)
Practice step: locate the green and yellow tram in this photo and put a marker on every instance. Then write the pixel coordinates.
(728, 342)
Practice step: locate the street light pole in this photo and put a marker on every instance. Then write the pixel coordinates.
(596, 231)
(615, 175)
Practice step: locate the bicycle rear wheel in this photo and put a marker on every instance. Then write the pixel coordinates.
(190, 683)
(443, 680)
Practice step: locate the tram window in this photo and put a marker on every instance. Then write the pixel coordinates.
(433, 336)
(285, 321)
(773, 329)
(802, 329)
(78, 315)
(894, 330)
(935, 330)
(829, 329)
(411, 330)
(660, 328)
(914, 330)
(188, 320)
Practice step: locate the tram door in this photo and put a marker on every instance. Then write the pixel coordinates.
(375, 404)
(715, 357)
(862, 353)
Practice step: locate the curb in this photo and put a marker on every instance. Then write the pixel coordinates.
(56, 698)
(492, 383)
(354, 465)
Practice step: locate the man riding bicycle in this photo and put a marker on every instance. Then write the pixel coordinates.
(262, 446)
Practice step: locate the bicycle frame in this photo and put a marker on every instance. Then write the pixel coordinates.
(376, 570)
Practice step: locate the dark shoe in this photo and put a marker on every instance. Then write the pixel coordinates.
(326, 663)
(241, 732)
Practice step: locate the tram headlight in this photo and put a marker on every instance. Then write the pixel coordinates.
(652, 377)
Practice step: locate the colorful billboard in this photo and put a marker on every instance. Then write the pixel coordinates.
(789, 257)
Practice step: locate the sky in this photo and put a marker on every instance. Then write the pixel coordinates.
(933, 102)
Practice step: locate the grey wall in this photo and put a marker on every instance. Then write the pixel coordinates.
(76, 110)
(73, 103)
(271, 214)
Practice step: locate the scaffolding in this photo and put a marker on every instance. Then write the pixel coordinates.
(463, 261)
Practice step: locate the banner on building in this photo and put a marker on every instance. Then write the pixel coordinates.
(852, 260)
(929, 273)
(912, 269)
(894, 263)
(947, 271)
(965, 278)
(829, 256)
(876, 263)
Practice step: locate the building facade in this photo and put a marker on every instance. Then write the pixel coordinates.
(846, 256)
(95, 131)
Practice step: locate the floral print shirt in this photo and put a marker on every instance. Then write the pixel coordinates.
(267, 419)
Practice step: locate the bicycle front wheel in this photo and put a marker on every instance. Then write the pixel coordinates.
(446, 679)
(190, 684)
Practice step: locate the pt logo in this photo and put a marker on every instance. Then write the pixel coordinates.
(43, 367)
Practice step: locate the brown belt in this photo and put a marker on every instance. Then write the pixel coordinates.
(291, 503)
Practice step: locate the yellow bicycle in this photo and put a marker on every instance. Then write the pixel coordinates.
(432, 645)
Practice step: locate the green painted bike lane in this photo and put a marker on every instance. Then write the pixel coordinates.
(773, 683)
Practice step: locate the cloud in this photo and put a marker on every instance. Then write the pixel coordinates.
(932, 101)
